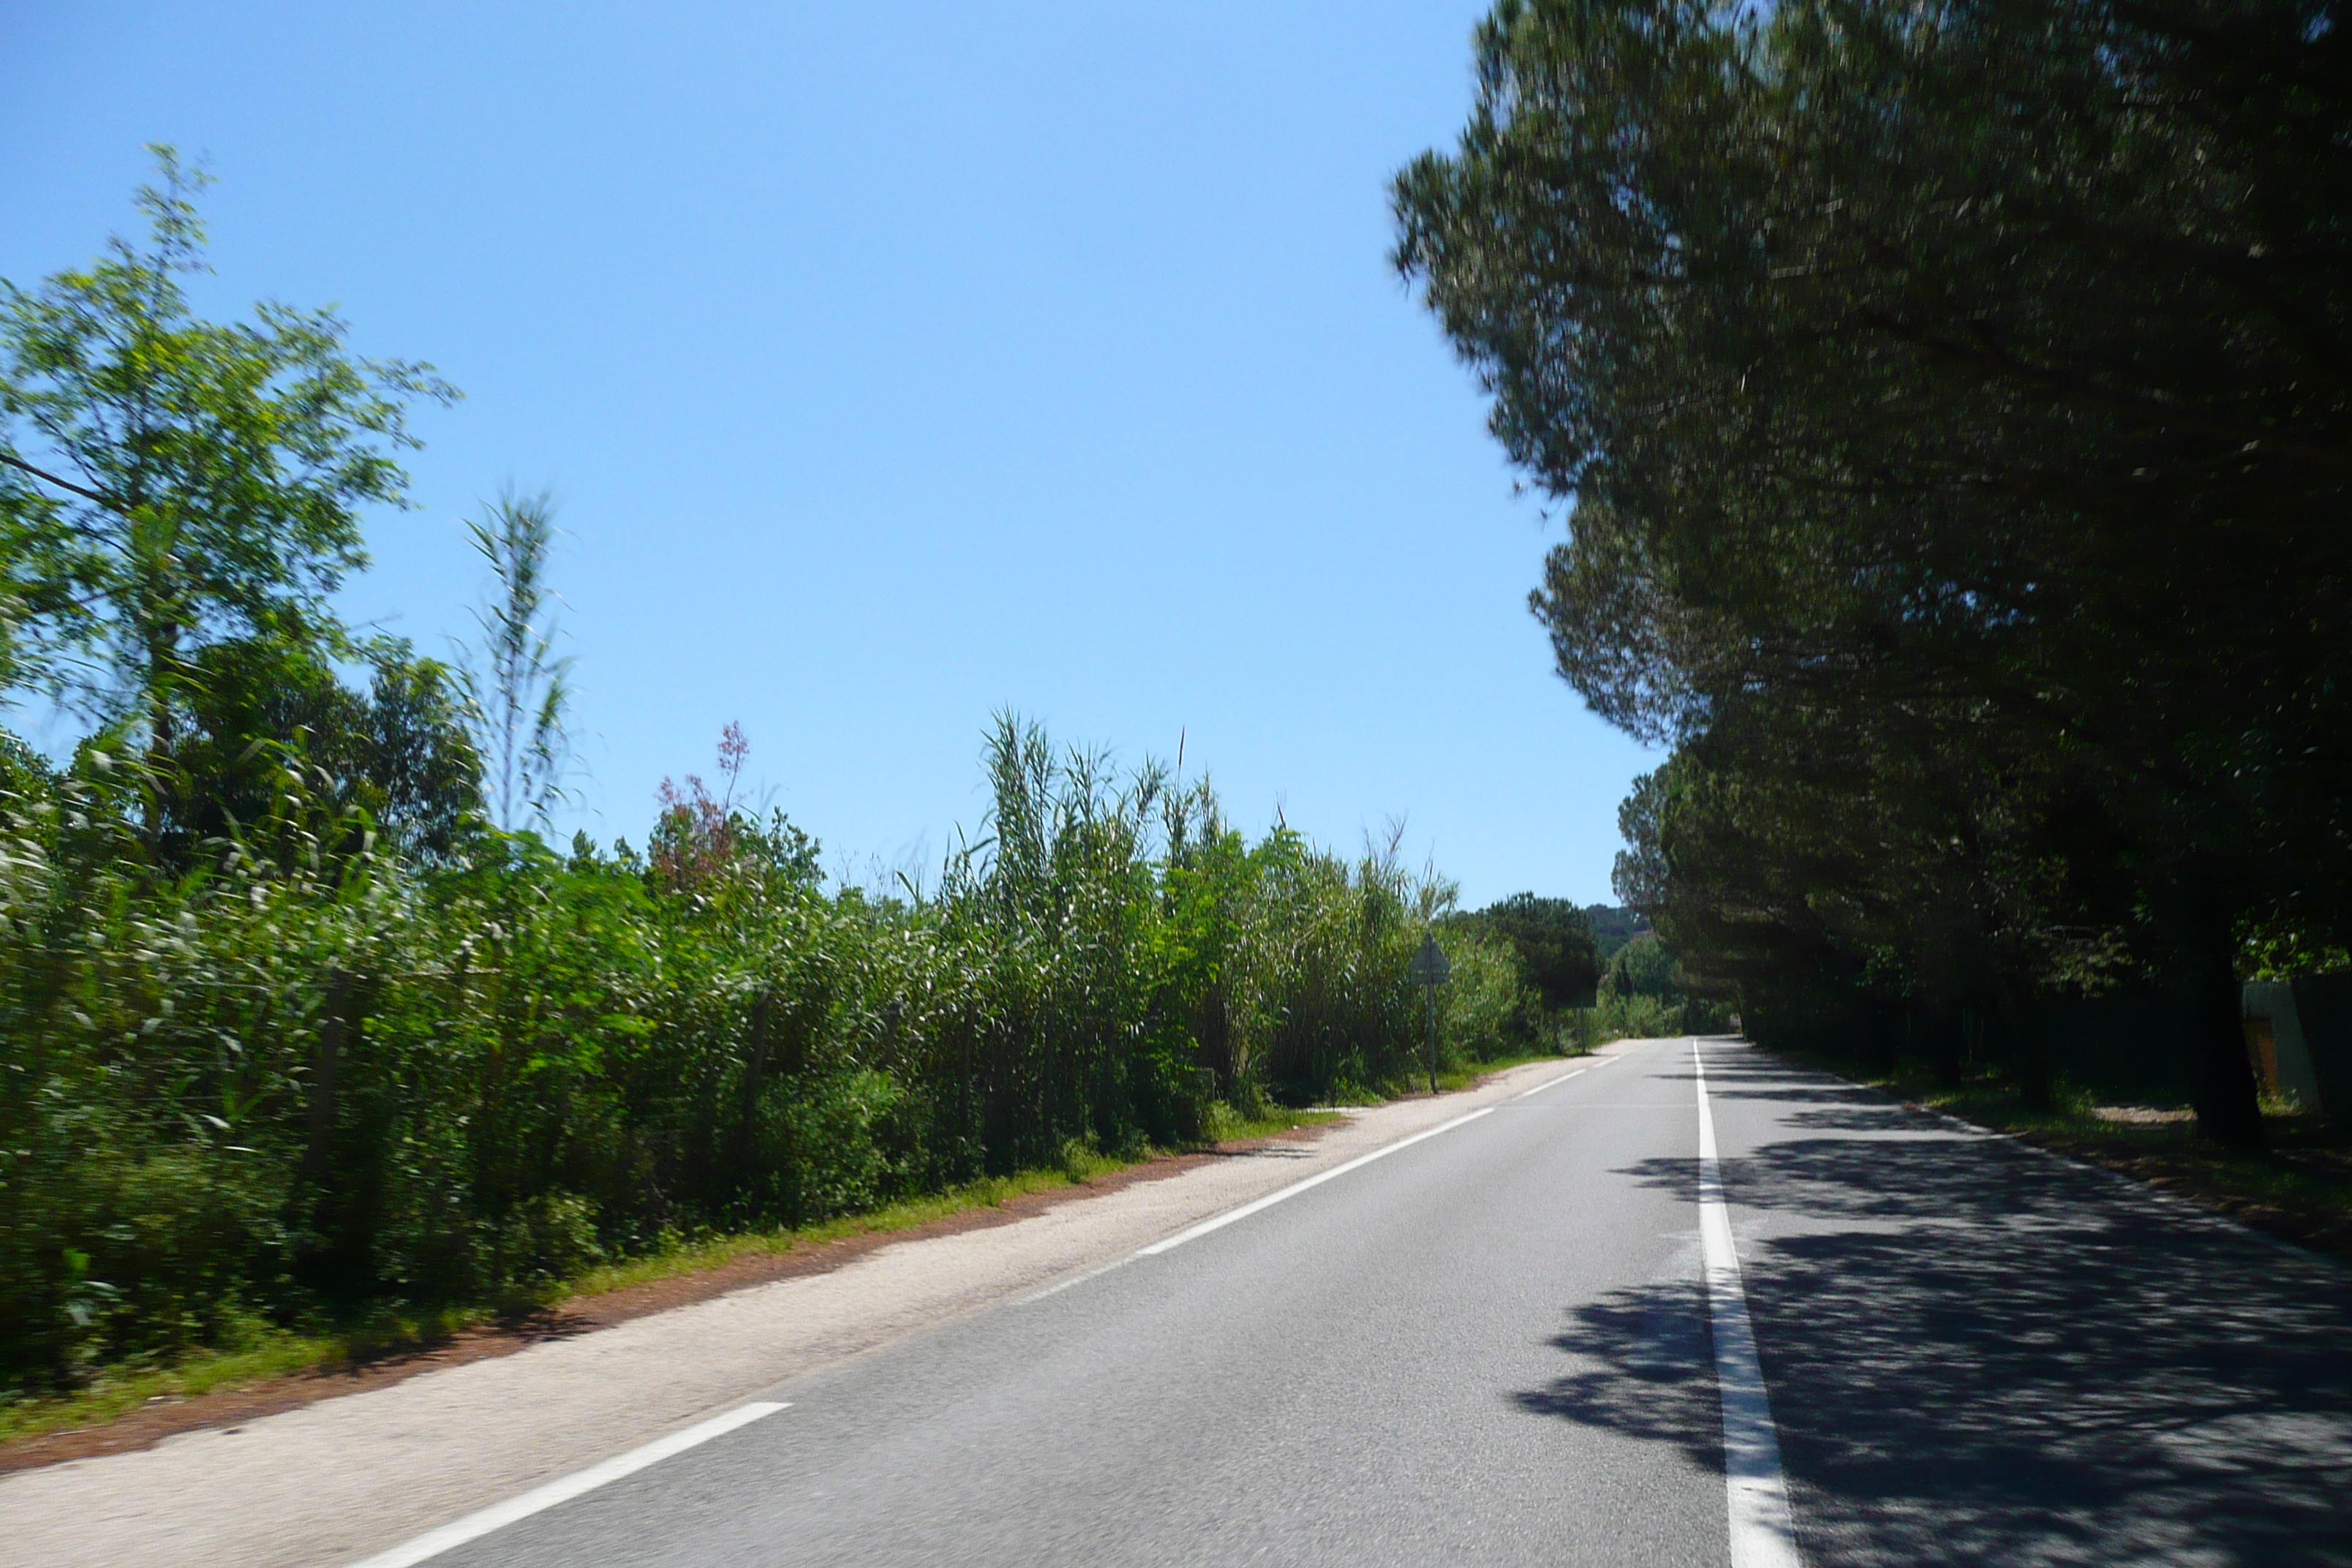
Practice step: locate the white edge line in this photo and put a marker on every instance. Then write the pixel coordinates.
(498, 1516)
(1551, 1083)
(1180, 1237)
(1292, 1191)
(1081, 1278)
(1755, 1492)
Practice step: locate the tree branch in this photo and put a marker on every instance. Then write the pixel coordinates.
(105, 500)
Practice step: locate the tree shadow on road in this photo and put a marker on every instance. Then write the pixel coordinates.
(1977, 1354)
(1652, 1374)
(1880, 1118)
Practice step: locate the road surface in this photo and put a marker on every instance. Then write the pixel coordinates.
(1519, 1339)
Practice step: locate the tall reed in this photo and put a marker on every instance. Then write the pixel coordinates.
(305, 1082)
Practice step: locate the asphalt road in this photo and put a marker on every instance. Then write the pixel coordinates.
(1493, 1346)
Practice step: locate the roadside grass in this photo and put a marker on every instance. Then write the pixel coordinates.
(1079, 1165)
(260, 1353)
(1227, 1125)
(1450, 1080)
(2299, 1188)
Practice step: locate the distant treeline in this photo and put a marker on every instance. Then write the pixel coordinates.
(1949, 408)
(1613, 927)
(1600, 969)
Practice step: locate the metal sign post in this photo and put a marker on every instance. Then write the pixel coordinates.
(1430, 970)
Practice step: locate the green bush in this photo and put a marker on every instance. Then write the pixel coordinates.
(312, 1080)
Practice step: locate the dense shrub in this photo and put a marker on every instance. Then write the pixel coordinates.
(305, 1080)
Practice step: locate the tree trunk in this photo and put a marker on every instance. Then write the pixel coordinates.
(2220, 1079)
(1944, 1028)
(2029, 1047)
(1882, 1039)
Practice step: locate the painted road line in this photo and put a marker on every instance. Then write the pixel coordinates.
(1755, 1495)
(1058, 1286)
(474, 1526)
(1292, 1191)
(1551, 1083)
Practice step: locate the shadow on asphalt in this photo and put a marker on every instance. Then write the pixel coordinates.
(1980, 1354)
(1879, 1118)
(1655, 1373)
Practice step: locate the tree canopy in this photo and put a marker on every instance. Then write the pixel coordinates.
(177, 504)
(171, 486)
(1948, 406)
(1554, 941)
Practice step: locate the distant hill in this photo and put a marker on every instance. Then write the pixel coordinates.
(1612, 928)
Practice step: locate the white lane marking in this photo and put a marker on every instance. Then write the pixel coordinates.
(498, 1516)
(1551, 1083)
(1292, 1191)
(1754, 1492)
(1058, 1286)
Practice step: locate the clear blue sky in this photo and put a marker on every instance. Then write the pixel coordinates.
(895, 363)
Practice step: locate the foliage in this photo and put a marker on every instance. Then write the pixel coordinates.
(1645, 993)
(1613, 927)
(521, 692)
(1943, 402)
(317, 1076)
(1642, 967)
(1555, 944)
(169, 484)
(396, 757)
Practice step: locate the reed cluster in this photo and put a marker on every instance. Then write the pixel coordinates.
(311, 1078)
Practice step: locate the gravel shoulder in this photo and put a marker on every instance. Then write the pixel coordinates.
(334, 1480)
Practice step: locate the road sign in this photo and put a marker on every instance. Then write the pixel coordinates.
(1429, 970)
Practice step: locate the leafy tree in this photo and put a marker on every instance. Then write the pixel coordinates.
(1554, 942)
(1643, 967)
(1614, 925)
(1953, 382)
(273, 735)
(173, 484)
(24, 774)
(700, 837)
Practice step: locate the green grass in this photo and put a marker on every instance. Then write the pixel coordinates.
(1227, 1125)
(1450, 1079)
(259, 1355)
(264, 1353)
(693, 1257)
